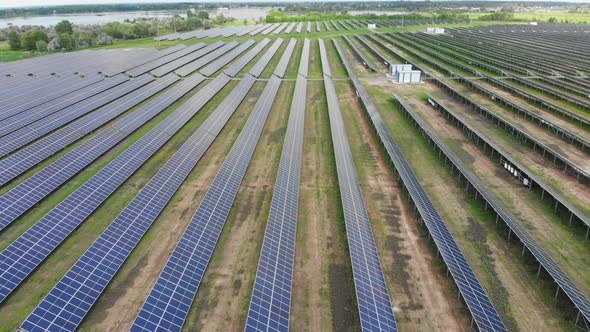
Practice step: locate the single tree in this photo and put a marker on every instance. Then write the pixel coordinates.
(30, 39)
(66, 41)
(203, 15)
(64, 27)
(41, 46)
(14, 40)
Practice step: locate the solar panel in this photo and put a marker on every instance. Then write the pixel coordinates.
(38, 112)
(258, 68)
(280, 28)
(237, 66)
(304, 64)
(25, 135)
(374, 305)
(25, 195)
(70, 300)
(23, 255)
(284, 61)
(216, 65)
(308, 27)
(171, 297)
(269, 29)
(271, 297)
(164, 60)
(479, 304)
(193, 66)
(299, 27)
(290, 27)
(171, 66)
(327, 26)
(48, 90)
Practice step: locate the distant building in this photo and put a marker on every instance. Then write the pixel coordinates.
(372, 26)
(435, 30)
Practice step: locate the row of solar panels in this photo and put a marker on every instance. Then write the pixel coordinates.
(573, 166)
(85, 63)
(87, 105)
(271, 296)
(479, 304)
(25, 195)
(579, 300)
(374, 305)
(87, 198)
(295, 27)
(562, 280)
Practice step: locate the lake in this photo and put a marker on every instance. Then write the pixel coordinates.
(241, 13)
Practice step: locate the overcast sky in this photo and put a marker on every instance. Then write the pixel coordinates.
(28, 3)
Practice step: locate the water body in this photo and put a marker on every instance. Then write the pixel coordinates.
(249, 13)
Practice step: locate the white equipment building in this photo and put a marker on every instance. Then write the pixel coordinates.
(372, 26)
(435, 31)
(404, 74)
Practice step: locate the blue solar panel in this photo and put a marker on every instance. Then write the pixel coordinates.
(87, 279)
(374, 305)
(258, 68)
(46, 125)
(164, 60)
(171, 66)
(480, 306)
(271, 298)
(25, 195)
(281, 68)
(170, 299)
(216, 65)
(38, 112)
(239, 64)
(204, 60)
(23, 255)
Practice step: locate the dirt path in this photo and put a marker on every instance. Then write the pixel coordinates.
(423, 297)
(322, 286)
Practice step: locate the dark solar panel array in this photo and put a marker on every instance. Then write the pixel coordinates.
(247, 30)
(281, 68)
(25, 195)
(478, 303)
(237, 66)
(70, 300)
(25, 96)
(164, 60)
(171, 297)
(271, 297)
(171, 66)
(216, 65)
(23, 255)
(20, 161)
(308, 29)
(260, 29)
(380, 56)
(374, 305)
(327, 26)
(269, 29)
(336, 26)
(25, 135)
(38, 112)
(204, 60)
(259, 67)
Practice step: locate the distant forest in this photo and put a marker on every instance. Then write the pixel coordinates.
(289, 7)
